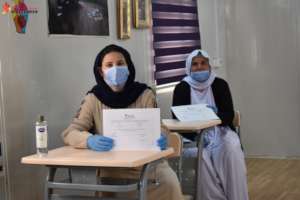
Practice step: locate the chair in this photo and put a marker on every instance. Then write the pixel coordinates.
(176, 142)
(237, 122)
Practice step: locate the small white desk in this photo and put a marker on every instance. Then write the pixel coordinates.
(175, 125)
(187, 127)
(70, 157)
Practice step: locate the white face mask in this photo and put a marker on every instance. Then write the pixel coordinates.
(116, 75)
(201, 76)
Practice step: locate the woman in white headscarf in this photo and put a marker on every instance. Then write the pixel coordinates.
(223, 170)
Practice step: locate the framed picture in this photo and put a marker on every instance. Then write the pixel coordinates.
(141, 13)
(124, 18)
(78, 17)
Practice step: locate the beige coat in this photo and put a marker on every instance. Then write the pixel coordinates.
(90, 116)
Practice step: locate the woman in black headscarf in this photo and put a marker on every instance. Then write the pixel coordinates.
(115, 74)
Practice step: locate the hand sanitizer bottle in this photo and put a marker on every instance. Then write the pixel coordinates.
(41, 136)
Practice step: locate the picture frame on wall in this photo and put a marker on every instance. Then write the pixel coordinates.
(124, 19)
(141, 13)
(78, 17)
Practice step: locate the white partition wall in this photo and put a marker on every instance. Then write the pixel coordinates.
(4, 52)
(263, 57)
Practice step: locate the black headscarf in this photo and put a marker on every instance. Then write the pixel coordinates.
(131, 91)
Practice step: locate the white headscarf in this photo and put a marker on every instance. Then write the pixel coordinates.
(201, 92)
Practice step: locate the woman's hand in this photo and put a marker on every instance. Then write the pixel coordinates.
(100, 143)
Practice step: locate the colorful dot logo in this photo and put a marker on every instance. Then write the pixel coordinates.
(20, 16)
(5, 8)
(20, 13)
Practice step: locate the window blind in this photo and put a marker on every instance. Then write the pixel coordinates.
(175, 34)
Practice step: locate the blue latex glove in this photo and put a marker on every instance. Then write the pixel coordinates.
(100, 143)
(162, 142)
(215, 109)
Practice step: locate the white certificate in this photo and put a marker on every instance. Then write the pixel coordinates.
(132, 129)
(196, 112)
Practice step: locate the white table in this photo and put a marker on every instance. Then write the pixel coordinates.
(70, 157)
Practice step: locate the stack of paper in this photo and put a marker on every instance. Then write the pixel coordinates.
(196, 112)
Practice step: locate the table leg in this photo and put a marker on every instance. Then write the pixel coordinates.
(50, 178)
(144, 182)
(198, 191)
(179, 167)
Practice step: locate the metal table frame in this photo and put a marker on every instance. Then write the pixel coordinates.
(199, 160)
(199, 142)
(174, 125)
(139, 185)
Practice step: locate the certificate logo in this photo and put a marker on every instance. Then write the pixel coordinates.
(128, 116)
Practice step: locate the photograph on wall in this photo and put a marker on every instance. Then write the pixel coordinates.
(141, 9)
(78, 17)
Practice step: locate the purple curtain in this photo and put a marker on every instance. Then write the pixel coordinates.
(175, 34)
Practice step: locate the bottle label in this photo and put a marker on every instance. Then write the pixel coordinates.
(41, 136)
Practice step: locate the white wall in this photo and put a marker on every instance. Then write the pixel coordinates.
(262, 51)
(3, 62)
(50, 75)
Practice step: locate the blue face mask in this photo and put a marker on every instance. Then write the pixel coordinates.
(200, 76)
(116, 75)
